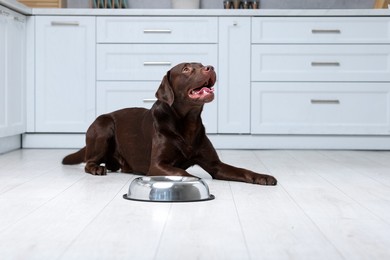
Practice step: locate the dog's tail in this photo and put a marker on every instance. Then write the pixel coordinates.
(75, 158)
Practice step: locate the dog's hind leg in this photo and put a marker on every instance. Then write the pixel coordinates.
(100, 144)
(112, 164)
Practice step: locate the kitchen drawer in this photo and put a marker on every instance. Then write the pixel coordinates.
(148, 61)
(320, 108)
(157, 30)
(111, 96)
(321, 30)
(320, 63)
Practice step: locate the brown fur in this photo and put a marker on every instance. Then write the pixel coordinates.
(165, 140)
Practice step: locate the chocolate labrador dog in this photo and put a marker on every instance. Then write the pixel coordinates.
(164, 140)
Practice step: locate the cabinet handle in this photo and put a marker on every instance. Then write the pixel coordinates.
(150, 100)
(325, 101)
(329, 64)
(4, 13)
(18, 19)
(336, 31)
(54, 23)
(157, 31)
(157, 63)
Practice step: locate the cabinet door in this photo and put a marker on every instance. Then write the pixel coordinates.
(3, 52)
(16, 75)
(321, 30)
(65, 73)
(12, 83)
(320, 62)
(149, 61)
(147, 29)
(114, 95)
(321, 108)
(234, 75)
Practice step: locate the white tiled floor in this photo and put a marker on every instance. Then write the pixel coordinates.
(327, 205)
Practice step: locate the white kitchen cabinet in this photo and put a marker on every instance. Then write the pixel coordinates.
(3, 72)
(148, 61)
(135, 53)
(321, 30)
(296, 80)
(65, 73)
(12, 72)
(321, 108)
(320, 76)
(115, 95)
(321, 62)
(234, 75)
(157, 29)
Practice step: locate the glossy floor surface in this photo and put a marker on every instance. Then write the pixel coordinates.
(327, 205)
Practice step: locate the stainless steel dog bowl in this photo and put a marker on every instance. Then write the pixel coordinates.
(168, 189)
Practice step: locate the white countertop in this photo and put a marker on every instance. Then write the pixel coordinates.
(18, 7)
(213, 12)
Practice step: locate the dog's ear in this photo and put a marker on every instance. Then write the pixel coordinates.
(164, 92)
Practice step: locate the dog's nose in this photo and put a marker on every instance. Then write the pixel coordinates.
(208, 68)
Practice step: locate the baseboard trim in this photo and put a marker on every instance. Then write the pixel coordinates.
(232, 141)
(53, 140)
(301, 142)
(10, 143)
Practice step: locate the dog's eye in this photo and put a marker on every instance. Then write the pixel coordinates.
(186, 69)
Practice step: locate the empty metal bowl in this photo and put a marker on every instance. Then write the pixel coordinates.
(168, 189)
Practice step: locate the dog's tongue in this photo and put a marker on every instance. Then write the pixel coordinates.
(203, 90)
(207, 90)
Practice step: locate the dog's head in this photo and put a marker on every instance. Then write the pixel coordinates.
(188, 82)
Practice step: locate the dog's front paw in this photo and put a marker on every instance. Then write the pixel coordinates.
(95, 169)
(264, 179)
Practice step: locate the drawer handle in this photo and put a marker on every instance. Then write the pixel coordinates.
(4, 13)
(314, 31)
(21, 20)
(157, 31)
(157, 63)
(325, 101)
(325, 64)
(54, 23)
(150, 100)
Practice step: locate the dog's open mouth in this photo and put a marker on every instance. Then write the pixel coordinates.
(203, 91)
